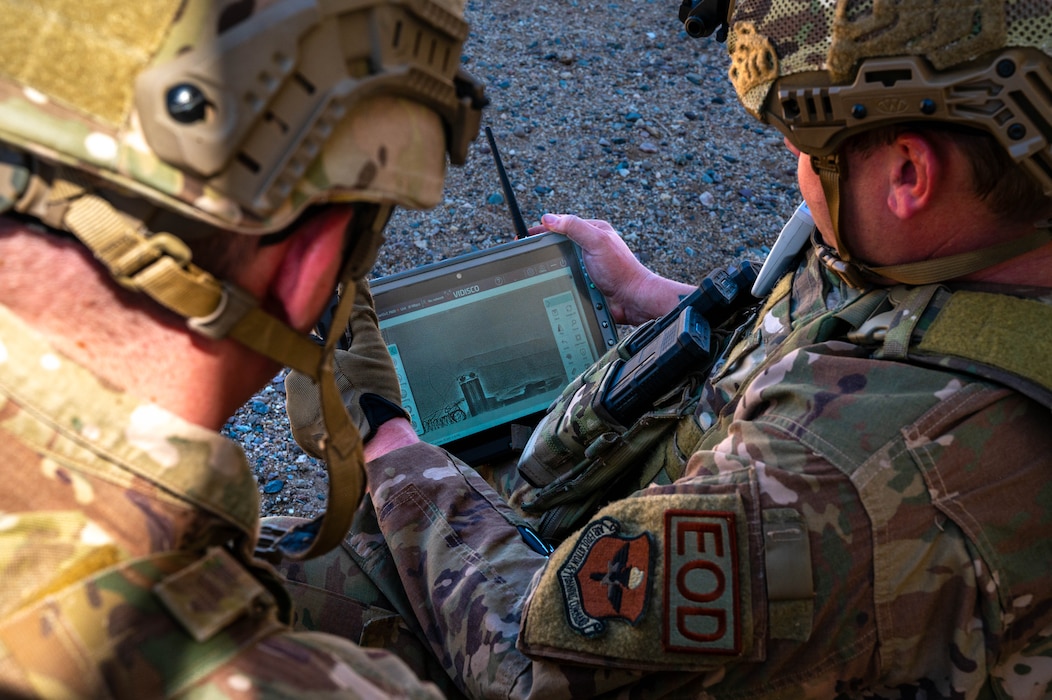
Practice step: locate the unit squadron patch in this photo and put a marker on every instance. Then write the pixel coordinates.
(606, 577)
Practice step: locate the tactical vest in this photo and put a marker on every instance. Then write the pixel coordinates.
(998, 338)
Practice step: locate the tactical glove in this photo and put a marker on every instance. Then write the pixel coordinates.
(365, 376)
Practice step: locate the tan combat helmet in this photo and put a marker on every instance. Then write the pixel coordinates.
(823, 70)
(137, 125)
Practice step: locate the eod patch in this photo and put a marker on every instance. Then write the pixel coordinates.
(606, 577)
(702, 610)
(664, 581)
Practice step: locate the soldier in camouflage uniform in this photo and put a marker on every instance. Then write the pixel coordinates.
(183, 183)
(855, 500)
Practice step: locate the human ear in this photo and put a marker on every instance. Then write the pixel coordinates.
(915, 171)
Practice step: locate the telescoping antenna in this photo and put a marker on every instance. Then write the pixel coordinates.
(509, 195)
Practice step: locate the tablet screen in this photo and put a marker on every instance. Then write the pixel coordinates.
(491, 338)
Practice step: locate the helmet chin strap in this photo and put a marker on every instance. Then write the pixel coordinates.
(830, 170)
(159, 266)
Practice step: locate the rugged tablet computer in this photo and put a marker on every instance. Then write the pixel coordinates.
(484, 342)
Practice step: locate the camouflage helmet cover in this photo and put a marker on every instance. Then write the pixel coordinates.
(241, 115)
(821, 70)
(234, 115)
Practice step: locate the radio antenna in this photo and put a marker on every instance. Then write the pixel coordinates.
(509, 195)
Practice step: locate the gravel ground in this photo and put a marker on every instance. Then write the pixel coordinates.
(605, 110)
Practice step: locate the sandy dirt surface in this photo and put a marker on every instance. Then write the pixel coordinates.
(606, 110)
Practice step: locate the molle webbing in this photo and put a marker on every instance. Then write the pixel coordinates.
(1004, 338)
(1001, 338)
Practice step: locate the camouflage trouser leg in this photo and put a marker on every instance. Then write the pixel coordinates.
(334, 594)
(506, 480)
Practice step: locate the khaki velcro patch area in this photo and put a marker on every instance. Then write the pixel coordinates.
(211, 593)
(1007, 332)
(661, 582)
(83, 54)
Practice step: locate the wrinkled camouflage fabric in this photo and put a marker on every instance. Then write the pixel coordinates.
(845, 526)
(578, 455)
(122, 536)
(342, 593)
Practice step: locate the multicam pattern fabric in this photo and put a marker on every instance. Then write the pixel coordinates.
(122, 539)
(834, 35)
(358, 596)
(577, 452)
(846, 526)
(284, 85)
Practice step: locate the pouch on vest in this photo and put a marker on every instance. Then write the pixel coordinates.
(607, 420)
(580, 454)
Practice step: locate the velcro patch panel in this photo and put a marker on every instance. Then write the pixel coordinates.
(657, 582)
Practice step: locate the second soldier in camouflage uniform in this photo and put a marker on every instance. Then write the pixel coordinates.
(856, 502)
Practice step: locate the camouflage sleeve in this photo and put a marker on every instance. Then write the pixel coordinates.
(593, 620)
(311, 665)
(816, 548)
(798, 561)
(467, 571)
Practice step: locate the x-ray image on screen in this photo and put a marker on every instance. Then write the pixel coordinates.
(479, 344)
(503, 355)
